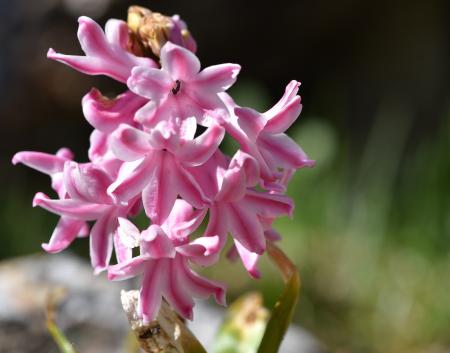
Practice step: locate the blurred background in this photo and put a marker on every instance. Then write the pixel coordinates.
(371, 231)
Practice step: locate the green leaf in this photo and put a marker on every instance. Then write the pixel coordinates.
(62, 342)
(243, 326)
(283, 311)
(60, 339)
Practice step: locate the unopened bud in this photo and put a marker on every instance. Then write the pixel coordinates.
(151, 30)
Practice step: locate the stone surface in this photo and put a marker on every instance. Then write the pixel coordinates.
(90, 312)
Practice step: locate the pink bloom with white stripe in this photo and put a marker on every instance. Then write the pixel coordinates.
(179, 88)
(156, 148)
(165, 254)
(262, 136)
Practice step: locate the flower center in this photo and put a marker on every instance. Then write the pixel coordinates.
(176, 87)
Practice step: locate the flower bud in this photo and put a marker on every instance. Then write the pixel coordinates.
(151, 30)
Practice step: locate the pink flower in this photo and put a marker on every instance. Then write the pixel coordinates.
(146, 153)
(106, 52)
(87, 200)
(238, 209)
(164, 263)
(156, 165)
(67, 228)
(179, 89)
(263, 137)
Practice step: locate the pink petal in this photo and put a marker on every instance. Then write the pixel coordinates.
(289, 95)
(122, 251)
(128, 233)
(179, 62)
(70, 208)
(86, 182)
(217, 78)
(198, 151)
(242, 172)
(107, 114)
(156, 244)
(133, 178)
(249, 259)
(191, 250)
(211, 245)
(175, 293)
(154, 112)
(45, 163)
(246, 228)
(285, 117)
(203, 100)
(281, 151)
(218, 223)
(183, 229)
(129, 143)
(183, 220)
(64, 234)
(269, 205)
(150, 83)
(250, 122)
(101, 241)
(102, 57)
(161, 192)
(153, 282)
(116, 32)
(98, 147)
(189, 189)
(128, 269)
(201, 287)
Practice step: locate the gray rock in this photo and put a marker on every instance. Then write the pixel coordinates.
(90, 314)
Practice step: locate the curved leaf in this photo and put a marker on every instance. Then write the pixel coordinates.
(283, 311)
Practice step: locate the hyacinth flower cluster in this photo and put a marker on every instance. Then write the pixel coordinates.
(155, 149)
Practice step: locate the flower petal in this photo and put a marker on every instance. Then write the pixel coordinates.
(189, 189)
(71, 208)
(175, 293)
(107, 114)
(279, 150)
(285, 117)
(250, 122)
(129, 143)
(246, 227)
(249, 259)
(156, 244)
(242, 172)
(217, 78)
(197, 151)
(128, 233)
(150, 83)
(122, 251)
(133, 178)
(102, 57)
(153, 282)
(183, 220)
(64, 234)
(179, 62)
(128, 269)
(116, 32)
(43, 162)
(161, 192)
(86, 182)
(289, 95)
(201, 287)
(101, 241)
(269, 205)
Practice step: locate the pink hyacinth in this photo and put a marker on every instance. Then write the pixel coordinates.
(155, 148)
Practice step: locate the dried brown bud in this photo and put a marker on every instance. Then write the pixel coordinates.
(151, 30)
